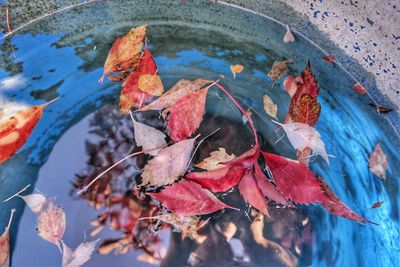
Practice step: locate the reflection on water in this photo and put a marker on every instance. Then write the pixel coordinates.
(82, 133)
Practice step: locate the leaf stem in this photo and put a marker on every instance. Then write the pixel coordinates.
(17, 194)
(10, 220)
(241, 110)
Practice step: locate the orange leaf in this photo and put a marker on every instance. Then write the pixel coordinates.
(151, 84)
(51, 223)
(15, 131)
(235, 69)
(125, 51)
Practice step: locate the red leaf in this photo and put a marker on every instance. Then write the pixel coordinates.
(15, 131)
(359, 89)
(267, 188)
(305, 110)
(187, 199)
(246, 160)
(131, 95)
(377, 204)
(251, 193)
(186, 115)
(218, 180)
(329, 59)
(299, 184)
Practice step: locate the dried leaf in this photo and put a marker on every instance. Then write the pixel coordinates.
(279, 68)
(51, 222)
(16, 130)
(131, 95)
(5, 244)
(378, 163)
(380, 109)
(248, 188)
(34, 201)
(290, 85)
(80, 256)
(168, 165)
(289, 37)
(181, 88)
(377, 204)
(219, 180)
(235, 69)
(186, 115)
(359, 89)
(188, 199)
(151, 84)
(269, 106)
(212, 162)
(306, 110)
(301, 136)
(149, 138)
(329, 58)
(125, 51)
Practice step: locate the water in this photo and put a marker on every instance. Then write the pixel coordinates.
(62, 56)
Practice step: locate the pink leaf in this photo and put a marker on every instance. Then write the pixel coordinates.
(329, 59)
(186, 115)
(187, 199)
(359, 89)
(51, 222)
(251, 193)
(377, 204)
(245, 160)
(290, 85)
(378, 162)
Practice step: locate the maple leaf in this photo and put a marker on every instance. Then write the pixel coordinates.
(299, 184)
(378, 162)
(5, 244)
(125, 51)
(251, 193)
(186, 115)
(80, 256)
(219, 180)
(359, 89)
(149, 138)
(302, 136)
(212, 162)
(189, 199)
(180, 89)
(235, 69)
(288, 37)
(131, 94)
(15, 131)
(170, 163)
(270, 108)
(278, 69)
(51, 223)
(377, 204)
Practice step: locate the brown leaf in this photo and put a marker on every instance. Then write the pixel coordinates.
(211, 163)
(269, 106)
(278, 69)
(51, 223)
(235, 69)
(5, 244)
(151, 84)
(380, 109)
(378, 162)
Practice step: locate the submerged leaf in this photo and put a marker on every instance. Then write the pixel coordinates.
(377, 204)
(188, 199)
(248, 113)
(289, 37)
(149, 138)
(378, 162)
(278, 69)
(5, 244)
(16, 130)
(51, 223)
(168, 165)
(270, 107)
(212, 162)
(80, 256)
(359, 89)
(329, 58)
(235, 69)
(34, 201)
(186, 115)
(181, 88)
(125, 51)
(248, 188)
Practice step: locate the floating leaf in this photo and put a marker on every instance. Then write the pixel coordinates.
(378, 162)
(248, 113)
(219, 180)
(149, 138)
(359, 89)
(181, 88)
(16, 130)
(306, 110)
(290, 85)
(380, 109)
(125, 51)
(235, 69)
(168, 165)
(5, 244)
(51, 223)
(289, 37)
(188, 199)
(80, 256)
(246, 160)
(251, 193)
(329, 58)
(151, 84)
(279, 68)
(34, 201)
(186, 115)
(377, 204)
(270, 107)
(212, 162)
(302, 136)
(131, 94)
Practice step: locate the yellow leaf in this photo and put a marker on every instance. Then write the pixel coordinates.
(151, 84)
(235, 69)
(211, 163)
(270, 107)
